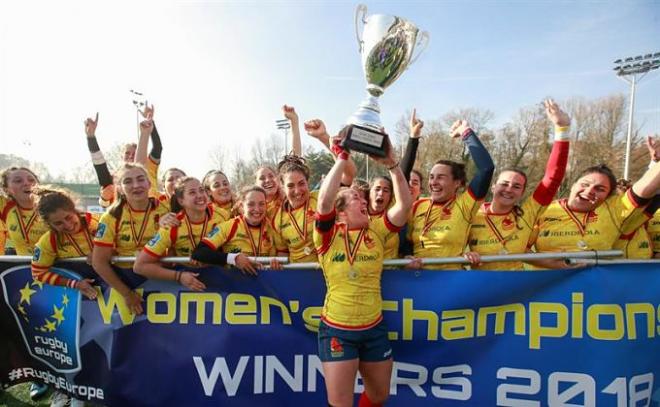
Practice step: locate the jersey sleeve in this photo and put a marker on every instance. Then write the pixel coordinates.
(468, 204)
(160, 243)
(220, 234)
(45, 254)
(324, 230)
(105, 232)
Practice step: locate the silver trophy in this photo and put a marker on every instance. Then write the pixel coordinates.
(387, 46)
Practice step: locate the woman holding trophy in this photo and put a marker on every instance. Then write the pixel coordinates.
(352, 334)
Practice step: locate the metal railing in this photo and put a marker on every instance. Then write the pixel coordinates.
(587, 257)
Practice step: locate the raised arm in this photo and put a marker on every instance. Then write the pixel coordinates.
(398, 213)
(296, 144)
(331, 184)
(316, 128)
(555, 169)
(410, 155)
(98, 160)
(482, 159)
(648, 185)
(146, 127)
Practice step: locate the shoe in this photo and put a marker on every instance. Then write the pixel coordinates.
(77, 403)
(37, 390)
(59, 399)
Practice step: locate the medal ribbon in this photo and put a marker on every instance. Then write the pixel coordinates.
(352, 251)
(255, 248)
(582, 226)
(191, 236)
(138, 238)
(25, 229)
(491, 225)
(429, 222)
(77, 246)
(302, 233)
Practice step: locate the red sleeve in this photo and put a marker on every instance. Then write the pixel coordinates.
(554, 173)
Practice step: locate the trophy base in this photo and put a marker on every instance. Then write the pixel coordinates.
(365, 140)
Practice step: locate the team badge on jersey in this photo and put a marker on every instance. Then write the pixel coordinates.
(47, 317)
(369, 242)
(592, 217)
(507, 223)
(154, 240)
(37, 254)
(445, 214)
(100, 231)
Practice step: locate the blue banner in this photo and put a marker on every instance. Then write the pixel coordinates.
(585, 337)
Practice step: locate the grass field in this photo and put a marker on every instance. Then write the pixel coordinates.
(19, 395)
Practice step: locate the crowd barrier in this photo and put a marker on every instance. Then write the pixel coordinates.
(575, 337)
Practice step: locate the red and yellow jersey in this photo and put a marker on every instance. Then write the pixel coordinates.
(182, 239)
(221, 212)
(293, 228)
(563, 230)
(654, 232)
(24, 226)
(53, 245)
(506, 233)
(273, 206)
(391, 241)
(128, 234)
(352, 263)
(635, 245)
(441, 229)
(237, 236)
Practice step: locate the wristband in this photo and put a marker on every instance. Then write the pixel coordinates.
(231, 258)
(561, 133)
(466, 133)
(343, 155)
(97, 158)
(394, 166)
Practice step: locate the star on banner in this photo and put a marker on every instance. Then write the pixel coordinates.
(26, 293)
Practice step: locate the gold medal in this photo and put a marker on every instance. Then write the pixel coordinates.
(582, 245)
(352, 274)
(503, 251)
(307, 250)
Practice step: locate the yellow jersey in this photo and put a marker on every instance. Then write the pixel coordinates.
(152, 173)
(128, 234)
(352, 263)
(24, 226)
(391, 241)
(293, 229)
(53, 245)
(182, 239)
(442, 229)
(563, 230)
(3, 237)
(237, 236)
(504, 233)
(654, 233)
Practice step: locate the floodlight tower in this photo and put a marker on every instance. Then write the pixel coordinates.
(632, 70)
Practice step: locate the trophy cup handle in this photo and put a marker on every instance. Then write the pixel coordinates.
(360, 15)
(422, 40)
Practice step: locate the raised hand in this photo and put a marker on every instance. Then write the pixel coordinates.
(148, 112)
(390, 155)
(146, 126)
(458, 128)
(315, 128)
(416, 125)
(290, 113)
(90, 126)
(653, 146)
(557, 116)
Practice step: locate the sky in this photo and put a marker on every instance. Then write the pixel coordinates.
(218, 72)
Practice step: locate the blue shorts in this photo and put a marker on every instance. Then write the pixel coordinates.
(369, 345)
